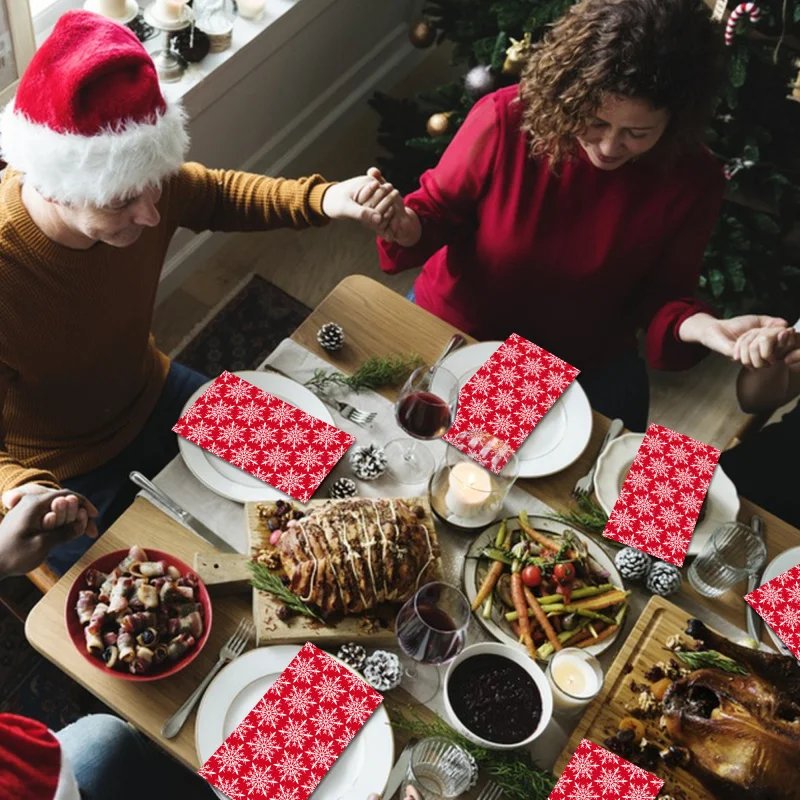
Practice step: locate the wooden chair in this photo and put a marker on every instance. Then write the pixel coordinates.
(43, 578)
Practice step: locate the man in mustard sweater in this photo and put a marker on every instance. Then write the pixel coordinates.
(95, 190)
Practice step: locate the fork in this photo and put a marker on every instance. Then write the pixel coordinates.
(490, 792)
(585, 486)
(232, 649)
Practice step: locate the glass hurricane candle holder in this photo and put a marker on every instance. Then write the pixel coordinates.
(465, 494)
(576, 678)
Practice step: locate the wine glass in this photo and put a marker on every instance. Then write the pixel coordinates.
(425, 409)
(431, 629)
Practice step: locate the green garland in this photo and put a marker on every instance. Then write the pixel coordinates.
(377, 372)
(514, 771)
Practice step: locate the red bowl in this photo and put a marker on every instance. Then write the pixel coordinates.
(105, 564)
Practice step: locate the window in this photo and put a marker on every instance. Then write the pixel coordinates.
(16, 45)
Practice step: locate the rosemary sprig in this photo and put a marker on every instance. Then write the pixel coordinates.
(710, 659)
(514, 771)
(377, 372)
(587, 515)
(266, 581)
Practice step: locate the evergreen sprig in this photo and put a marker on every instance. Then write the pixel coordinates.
(515, 771)
(266, 581)
(587, 515)
(377, 372)
(710, 659)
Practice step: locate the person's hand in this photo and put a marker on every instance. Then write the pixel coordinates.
(721, 335)
(61, 509)
(399, 224)
(762, 347)
(38, 522)
(340, 201)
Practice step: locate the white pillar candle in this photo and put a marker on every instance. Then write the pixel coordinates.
(576, 679)
(169, 10)
(470, 489)
(250, 9)
(113, 9)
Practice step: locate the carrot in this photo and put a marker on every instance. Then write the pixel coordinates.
(515, 629)
(541, 618)
(580, 637)
(495, 571)
(518, 595)
(539, 538)
(530, 598)
(609, 631)
(492, 576)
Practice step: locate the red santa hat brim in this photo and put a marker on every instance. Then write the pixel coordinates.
(95, 170)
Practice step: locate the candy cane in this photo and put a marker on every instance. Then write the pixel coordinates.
(750, 10)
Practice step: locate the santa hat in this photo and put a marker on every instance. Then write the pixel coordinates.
(32, 766)
(89, 123)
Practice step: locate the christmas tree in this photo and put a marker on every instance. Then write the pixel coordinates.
(753, 259)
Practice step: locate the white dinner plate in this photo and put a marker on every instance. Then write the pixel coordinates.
(229, 481)
(496, 625)
(780, 564)
(722, 500)
(363, 767)
(564, 431)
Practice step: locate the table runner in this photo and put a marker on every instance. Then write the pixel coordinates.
(227, 518)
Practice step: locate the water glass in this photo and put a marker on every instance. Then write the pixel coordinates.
(732, 554)
(439, 769)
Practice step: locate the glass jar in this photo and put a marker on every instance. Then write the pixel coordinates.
(465, 494)
(215, 18)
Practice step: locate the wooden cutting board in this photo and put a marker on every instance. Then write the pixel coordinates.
(645, 646)
(226, 572)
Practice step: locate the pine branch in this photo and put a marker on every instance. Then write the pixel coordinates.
(377, 372)
(266, 581)
(710, 659)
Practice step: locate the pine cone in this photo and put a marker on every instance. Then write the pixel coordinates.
(368, 462)
(354, 655)
(343, 488)
(663, 579)
(331, 336)
(632, 563)
(382, 671)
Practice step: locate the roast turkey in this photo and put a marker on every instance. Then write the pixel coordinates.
(743, 731)
(352, 555)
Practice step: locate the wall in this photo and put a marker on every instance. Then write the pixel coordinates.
(307, 73)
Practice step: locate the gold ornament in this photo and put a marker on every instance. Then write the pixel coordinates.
(438, 124)
(516, 54)
(422, 35)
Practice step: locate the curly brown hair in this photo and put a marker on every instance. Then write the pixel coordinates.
(665, 52)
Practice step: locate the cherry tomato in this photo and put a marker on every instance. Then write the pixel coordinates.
(532, 576)
(564, 573)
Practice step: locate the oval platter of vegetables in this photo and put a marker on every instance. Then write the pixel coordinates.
(535, 582)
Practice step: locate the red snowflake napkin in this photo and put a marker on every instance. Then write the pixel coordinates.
(508, 396)
(778, 602)
(594, 773)
(284, 747)
(263, 435)
(661, 498)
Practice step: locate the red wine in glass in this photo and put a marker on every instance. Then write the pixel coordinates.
(424, 415)
(431, 638)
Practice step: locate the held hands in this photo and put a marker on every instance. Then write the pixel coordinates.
(763, 347)
(721, 335)
(39, 519)
(399, 223)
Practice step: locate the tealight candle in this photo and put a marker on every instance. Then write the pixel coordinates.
(470, 488)
(576, 678)
(169, 10)
(250, 9)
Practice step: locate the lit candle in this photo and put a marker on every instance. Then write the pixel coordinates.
(470, 488)
(576, 678)
(113, 9)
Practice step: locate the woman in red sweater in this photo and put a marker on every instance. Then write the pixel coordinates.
(574, 209)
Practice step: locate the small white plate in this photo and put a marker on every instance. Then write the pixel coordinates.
(780, 564)
(223, 478)
(497, 626)
(562, 435)
(722, 500)
(363, 767)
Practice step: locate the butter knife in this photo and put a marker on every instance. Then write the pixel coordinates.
(184, 517)
(399, 771)
(754, 621)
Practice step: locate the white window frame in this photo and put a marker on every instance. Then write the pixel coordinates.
(22, 41)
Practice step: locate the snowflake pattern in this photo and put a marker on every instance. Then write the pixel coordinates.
(778, 602)
(264, 436)
(594, 773)
(663, 493)
(509, 395)
(295, 733)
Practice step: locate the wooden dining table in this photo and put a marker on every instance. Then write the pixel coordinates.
(377, 321)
